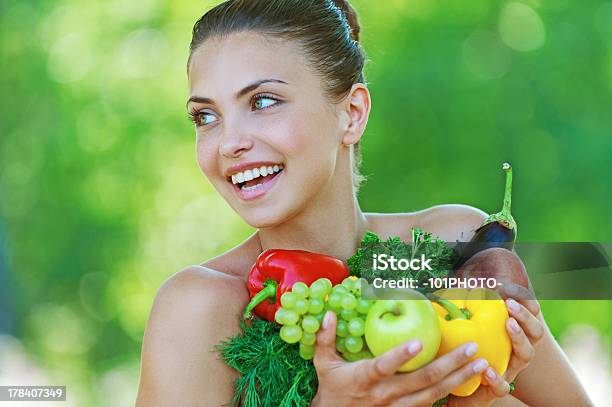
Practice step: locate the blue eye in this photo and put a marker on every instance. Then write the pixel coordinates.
(263, 102)
(199, 118)
(203, 115)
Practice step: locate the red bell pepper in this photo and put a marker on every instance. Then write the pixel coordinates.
(275, 272)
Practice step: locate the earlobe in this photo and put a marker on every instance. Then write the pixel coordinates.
(357, 111)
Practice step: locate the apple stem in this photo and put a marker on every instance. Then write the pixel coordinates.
(454, 312)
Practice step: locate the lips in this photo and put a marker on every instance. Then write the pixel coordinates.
(252, 183)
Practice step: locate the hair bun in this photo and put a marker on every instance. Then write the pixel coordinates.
(351, 16)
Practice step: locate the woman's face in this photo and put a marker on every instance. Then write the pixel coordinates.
(267, 137)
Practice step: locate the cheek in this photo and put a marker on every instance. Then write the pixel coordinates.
(302, 137)
(206, 156)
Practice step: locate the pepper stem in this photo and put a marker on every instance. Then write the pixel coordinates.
(504, 216)
(268, 291)
(454, 312)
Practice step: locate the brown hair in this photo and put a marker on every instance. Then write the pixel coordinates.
(327, 31)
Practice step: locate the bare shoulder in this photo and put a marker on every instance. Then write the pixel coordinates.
(193, 310)
(238, 260)
(449, 222)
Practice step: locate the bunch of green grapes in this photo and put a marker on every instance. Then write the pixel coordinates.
(303, 308)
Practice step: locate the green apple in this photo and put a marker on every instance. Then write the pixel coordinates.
(392, 322)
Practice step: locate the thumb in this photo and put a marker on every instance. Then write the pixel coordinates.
(325, 350)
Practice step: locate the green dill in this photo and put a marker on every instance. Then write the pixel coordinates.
(441, 254)
(272, 373)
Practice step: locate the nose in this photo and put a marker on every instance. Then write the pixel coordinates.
(234, 143)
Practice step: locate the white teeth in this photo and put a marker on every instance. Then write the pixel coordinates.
(245, 188)
(254, 173)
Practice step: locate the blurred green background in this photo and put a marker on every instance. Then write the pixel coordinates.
(101, 199)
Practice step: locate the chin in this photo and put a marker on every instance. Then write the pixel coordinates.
(268, 215)
(262, 218)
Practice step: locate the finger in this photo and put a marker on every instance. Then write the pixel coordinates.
(325, 349)
(522, 350)
(385, 365)
(435, 371)
(430, 394)
(529, 323)
(516, 291)
(532, 306)
(498, 387)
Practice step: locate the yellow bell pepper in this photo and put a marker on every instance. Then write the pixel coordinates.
(477, 315)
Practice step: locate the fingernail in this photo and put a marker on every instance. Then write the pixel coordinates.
(491, 374)
(513, 306)
(479, 365)
(514, 325)
(326, 319)
(471, 349)
(413, 346)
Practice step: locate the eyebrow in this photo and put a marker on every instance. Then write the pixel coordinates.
(240, 93)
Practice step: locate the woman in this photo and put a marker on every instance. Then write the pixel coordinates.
(279, 102)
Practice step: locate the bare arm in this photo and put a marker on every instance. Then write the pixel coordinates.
(193, 311)
(550, 380)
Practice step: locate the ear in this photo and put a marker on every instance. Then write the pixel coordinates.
(357, 108)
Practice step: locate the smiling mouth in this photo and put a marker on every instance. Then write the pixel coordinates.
(254, 178)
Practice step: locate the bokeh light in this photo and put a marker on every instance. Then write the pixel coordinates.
(101, 199)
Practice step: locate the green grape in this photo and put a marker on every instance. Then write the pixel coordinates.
(291, 333)
(349, 301)
(318, 289)
(347, 315)
(336, 310)
(340, 345)
(300, 289)
(363, 306)
(306, 352)
(320, 317)
(316, 306)
(279, 316)
(290, 317)
(356, 327)
(340, 289)
(308, 338)
(334, 300)
(310, 324)
(301, 306)
(328, 284)
(342, 328)
(349, 283)
(353, 344)
(288, 300)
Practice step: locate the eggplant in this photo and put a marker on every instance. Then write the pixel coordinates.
(498, 230)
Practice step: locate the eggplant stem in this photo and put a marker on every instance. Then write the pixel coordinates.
(504, 217)
(268, 291)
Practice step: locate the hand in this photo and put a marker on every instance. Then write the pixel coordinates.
(373, 382)
(525, 329)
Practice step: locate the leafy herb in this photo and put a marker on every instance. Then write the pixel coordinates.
(272, 373)
(442, 257)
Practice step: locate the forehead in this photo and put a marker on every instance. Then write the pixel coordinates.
(243, 57)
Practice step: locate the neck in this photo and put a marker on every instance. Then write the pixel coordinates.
(332, 224)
